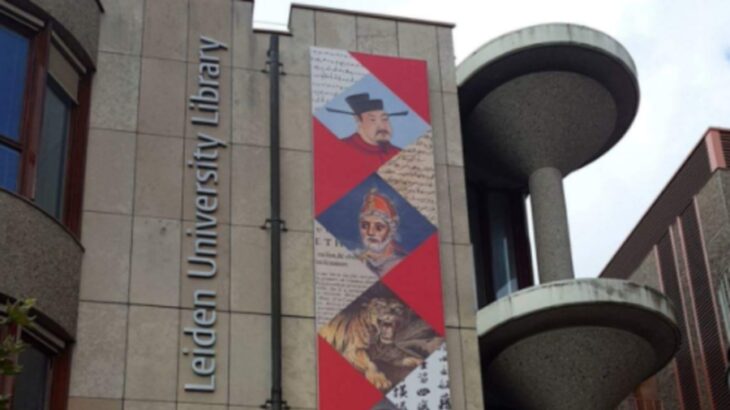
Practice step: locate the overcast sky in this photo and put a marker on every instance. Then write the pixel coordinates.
(682, 52)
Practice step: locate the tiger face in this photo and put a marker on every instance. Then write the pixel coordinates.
(385, 317)
(371, 327)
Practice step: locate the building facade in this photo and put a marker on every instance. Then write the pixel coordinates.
(136, 207)
(119, 315)
(680, 246)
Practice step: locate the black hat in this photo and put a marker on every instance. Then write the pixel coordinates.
(360, 103)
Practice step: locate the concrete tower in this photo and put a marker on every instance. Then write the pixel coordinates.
(540, 103)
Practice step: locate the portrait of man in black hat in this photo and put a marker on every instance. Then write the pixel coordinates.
(373, 132)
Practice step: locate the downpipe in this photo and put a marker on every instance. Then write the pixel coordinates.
(276, 226)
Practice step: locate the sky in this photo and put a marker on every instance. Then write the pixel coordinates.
(682, 53)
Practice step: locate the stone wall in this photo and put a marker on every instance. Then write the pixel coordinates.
(40, 259)
(139, 203)
(79, 17)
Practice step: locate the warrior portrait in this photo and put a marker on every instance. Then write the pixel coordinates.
(378, 224)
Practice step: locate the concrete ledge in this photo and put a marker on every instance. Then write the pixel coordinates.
(528, 95)
(576, 344)
(541, 36)
(572, 293)
(583, 302)
(39, 258)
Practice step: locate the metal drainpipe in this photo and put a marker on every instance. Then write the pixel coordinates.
(277, 225)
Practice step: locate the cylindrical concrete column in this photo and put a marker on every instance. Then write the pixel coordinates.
(550, 223)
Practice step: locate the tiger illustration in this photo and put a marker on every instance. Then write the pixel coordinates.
(356, 329)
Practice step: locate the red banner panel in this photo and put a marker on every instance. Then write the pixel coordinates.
(379, 308)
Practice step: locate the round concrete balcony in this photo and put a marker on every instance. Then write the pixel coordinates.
(41, 259)
(554, 95)
(575, 344)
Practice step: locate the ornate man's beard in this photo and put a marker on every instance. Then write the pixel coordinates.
(374, 245)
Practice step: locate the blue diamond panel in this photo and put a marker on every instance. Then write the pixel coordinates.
(342, 218)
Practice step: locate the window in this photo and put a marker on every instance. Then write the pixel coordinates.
(497, 223)
(52, 150)
(504, 274)
(44, 379)
(43, 112)
(14, 49)
(32, 385)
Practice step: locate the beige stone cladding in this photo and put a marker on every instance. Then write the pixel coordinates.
(140, 205)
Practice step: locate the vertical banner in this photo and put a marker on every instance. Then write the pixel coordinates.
(379, 309)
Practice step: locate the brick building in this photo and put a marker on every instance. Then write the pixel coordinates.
(680, 247)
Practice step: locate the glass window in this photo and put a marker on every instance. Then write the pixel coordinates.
(33, 382)
(44, 93)
(9, 163)
(52, 149)
(41, 153)
(504, 277)
(14, 56)
(14, 52)
(498, 230)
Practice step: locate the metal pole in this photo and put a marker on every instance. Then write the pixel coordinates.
(276, 402)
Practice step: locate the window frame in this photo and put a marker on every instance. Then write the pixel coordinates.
(478, 194)
(21, 144)
(32, 343)
(59, 354)
(41, 40)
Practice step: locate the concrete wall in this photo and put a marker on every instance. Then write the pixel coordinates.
(135, 296)
(39, 259)
(79, 17)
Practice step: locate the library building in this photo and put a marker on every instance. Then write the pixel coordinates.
(210, 214)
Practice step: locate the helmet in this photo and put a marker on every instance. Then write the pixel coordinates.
(378, 204)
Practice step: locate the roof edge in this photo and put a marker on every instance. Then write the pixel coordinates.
(306, 6)
(704, 141)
